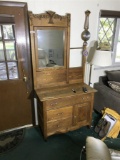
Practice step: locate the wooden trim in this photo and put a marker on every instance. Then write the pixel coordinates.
(76, 48)
(13, 4)
(110, 14)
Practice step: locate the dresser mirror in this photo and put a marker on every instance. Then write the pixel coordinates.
(50, 47)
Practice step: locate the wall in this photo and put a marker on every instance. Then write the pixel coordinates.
(77, 10)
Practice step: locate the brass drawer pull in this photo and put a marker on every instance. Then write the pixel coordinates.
(60, 113)
(53, 103)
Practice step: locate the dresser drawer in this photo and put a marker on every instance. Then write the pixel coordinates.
(59, 113)
(67, 101)
(59, 126)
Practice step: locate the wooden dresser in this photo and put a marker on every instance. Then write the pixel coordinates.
(61, 110)
(62, 104)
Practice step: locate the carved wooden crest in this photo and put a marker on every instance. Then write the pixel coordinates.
(50, 16)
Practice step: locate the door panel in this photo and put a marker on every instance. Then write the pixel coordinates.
(81, 113)
(16, 100)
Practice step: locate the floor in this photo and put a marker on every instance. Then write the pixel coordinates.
(58, 147)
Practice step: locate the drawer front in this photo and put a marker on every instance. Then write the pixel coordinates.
(59, 126)
(60, 113)
(67, 101)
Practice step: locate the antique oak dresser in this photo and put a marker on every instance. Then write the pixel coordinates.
(62, 104)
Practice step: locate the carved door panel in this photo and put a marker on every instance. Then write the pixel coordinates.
(15, 66)
(81, 113)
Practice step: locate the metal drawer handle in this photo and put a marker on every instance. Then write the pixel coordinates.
(53, 103)
(60, 113)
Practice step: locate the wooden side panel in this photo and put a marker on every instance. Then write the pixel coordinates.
(76, 75)
(50, 77)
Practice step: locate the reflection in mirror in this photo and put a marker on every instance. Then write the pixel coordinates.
(50, 45)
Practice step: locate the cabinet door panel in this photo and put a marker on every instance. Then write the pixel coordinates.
(81, 113)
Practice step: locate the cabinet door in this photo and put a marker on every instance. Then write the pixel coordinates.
(81, 113)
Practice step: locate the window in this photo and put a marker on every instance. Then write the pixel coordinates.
(109, 33)
(8, 56)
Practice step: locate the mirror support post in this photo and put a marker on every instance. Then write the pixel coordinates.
(85, 37)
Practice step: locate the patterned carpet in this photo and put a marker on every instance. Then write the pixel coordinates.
(10, 140)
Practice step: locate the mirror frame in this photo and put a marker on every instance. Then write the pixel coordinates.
(50, 76)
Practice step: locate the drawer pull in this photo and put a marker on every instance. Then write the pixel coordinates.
(53, 103)
(60, 113)
(58, 126)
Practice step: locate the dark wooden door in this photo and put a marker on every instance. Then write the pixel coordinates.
(15, 66)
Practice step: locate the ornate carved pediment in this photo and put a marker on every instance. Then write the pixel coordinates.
(50, 16)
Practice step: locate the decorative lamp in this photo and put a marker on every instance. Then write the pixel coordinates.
(100, 58)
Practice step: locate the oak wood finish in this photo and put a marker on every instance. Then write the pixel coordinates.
(59, 108)
(50, 76)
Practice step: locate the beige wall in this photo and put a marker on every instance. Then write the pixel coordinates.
(77, 10)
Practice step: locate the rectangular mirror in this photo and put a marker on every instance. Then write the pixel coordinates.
(50, 47)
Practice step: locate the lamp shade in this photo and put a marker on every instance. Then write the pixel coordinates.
(102, 58)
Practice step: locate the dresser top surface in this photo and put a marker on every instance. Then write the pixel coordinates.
(63, 91)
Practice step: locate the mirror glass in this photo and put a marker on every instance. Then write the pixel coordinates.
(50, 47)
